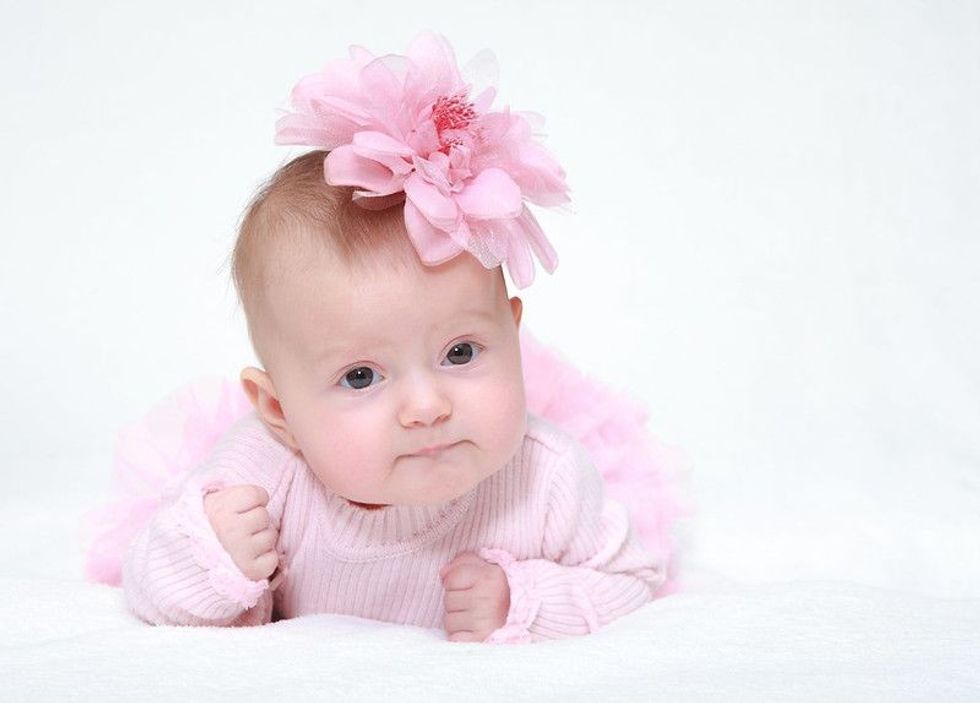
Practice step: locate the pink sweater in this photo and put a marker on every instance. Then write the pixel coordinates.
(570, 556)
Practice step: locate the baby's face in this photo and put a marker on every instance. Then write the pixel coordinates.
(401, 385)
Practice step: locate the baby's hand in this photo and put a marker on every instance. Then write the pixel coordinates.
(243, 527)
(476, 598)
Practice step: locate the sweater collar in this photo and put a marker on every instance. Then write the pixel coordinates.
(357, 534)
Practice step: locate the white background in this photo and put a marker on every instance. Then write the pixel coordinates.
(773, 243)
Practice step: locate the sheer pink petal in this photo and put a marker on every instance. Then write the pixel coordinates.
(542, 179)
(532, 233)
(519, 263)
(481, 73)
(339, 78)
(489, 241)
(380, 82)
(434, 71)
(327, 132)
(461, 233)
(484, 100)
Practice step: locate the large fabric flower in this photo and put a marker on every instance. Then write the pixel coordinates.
(410, 126)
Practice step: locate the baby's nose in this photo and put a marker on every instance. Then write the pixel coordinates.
(425, 404)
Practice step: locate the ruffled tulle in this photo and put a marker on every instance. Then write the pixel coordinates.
(155, 455)
(640, 472)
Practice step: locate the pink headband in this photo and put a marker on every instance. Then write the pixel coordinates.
(407, 128)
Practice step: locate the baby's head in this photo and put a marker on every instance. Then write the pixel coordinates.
(370, 357)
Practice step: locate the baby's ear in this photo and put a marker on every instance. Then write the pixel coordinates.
(516, 308)
(259, 389)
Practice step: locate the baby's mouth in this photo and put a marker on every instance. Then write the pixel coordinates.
(433, 450)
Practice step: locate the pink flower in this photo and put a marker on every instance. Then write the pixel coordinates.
(410, 125)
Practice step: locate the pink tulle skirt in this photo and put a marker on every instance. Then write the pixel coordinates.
(153, 455)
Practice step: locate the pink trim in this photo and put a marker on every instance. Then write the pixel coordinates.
(224, 576)
(524, 605)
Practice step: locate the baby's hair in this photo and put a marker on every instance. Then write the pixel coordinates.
(296, 206)
(293, 217)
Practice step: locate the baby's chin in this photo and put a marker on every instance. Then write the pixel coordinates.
(419, 500)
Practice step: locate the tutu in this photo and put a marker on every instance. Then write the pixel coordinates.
(154, 455)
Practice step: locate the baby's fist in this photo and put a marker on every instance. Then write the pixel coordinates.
(476, 598)
(243, 526)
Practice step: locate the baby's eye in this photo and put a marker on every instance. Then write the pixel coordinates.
(361, 377)
(462, 353)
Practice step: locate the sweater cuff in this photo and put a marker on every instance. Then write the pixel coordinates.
(224, 576)
(524, 605)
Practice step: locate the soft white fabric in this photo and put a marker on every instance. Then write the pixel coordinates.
(799, 641)
(789, 640)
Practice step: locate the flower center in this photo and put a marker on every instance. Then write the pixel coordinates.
(452, 112)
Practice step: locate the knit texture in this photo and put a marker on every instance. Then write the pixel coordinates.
(571, 558)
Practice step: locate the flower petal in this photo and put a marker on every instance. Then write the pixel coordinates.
(384, 149)
(530, 230)
(424, 139)
(378, 201)
(481, 73)
(461, 234)
(490, 241)
(519, 263)
(491, 195)
(433, 245)
(344, 167)
(438, 209)
(328, 132)
(433, 71)
(380, 142)
(542, 179)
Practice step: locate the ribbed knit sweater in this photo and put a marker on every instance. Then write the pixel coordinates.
(571, 558)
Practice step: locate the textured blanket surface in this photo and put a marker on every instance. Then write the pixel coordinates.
(800, 641)
(720, 639)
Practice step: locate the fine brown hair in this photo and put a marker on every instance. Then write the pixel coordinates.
(296, 213)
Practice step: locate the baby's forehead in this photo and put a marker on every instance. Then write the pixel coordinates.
(363, 301)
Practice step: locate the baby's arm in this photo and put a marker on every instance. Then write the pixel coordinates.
(594, 570)
(176, 571)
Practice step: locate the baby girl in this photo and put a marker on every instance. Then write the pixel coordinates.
(390, 469)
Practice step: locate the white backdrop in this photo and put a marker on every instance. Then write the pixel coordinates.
(773, 243)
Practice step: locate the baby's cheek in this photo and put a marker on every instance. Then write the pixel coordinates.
(504, 411)
(342, 453)
(340, 449)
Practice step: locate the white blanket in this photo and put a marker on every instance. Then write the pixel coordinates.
(821, 640)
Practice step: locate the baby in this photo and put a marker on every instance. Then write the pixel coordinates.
(390, 469)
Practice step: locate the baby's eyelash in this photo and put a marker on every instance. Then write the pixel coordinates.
(351, 377)
(465, 351)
